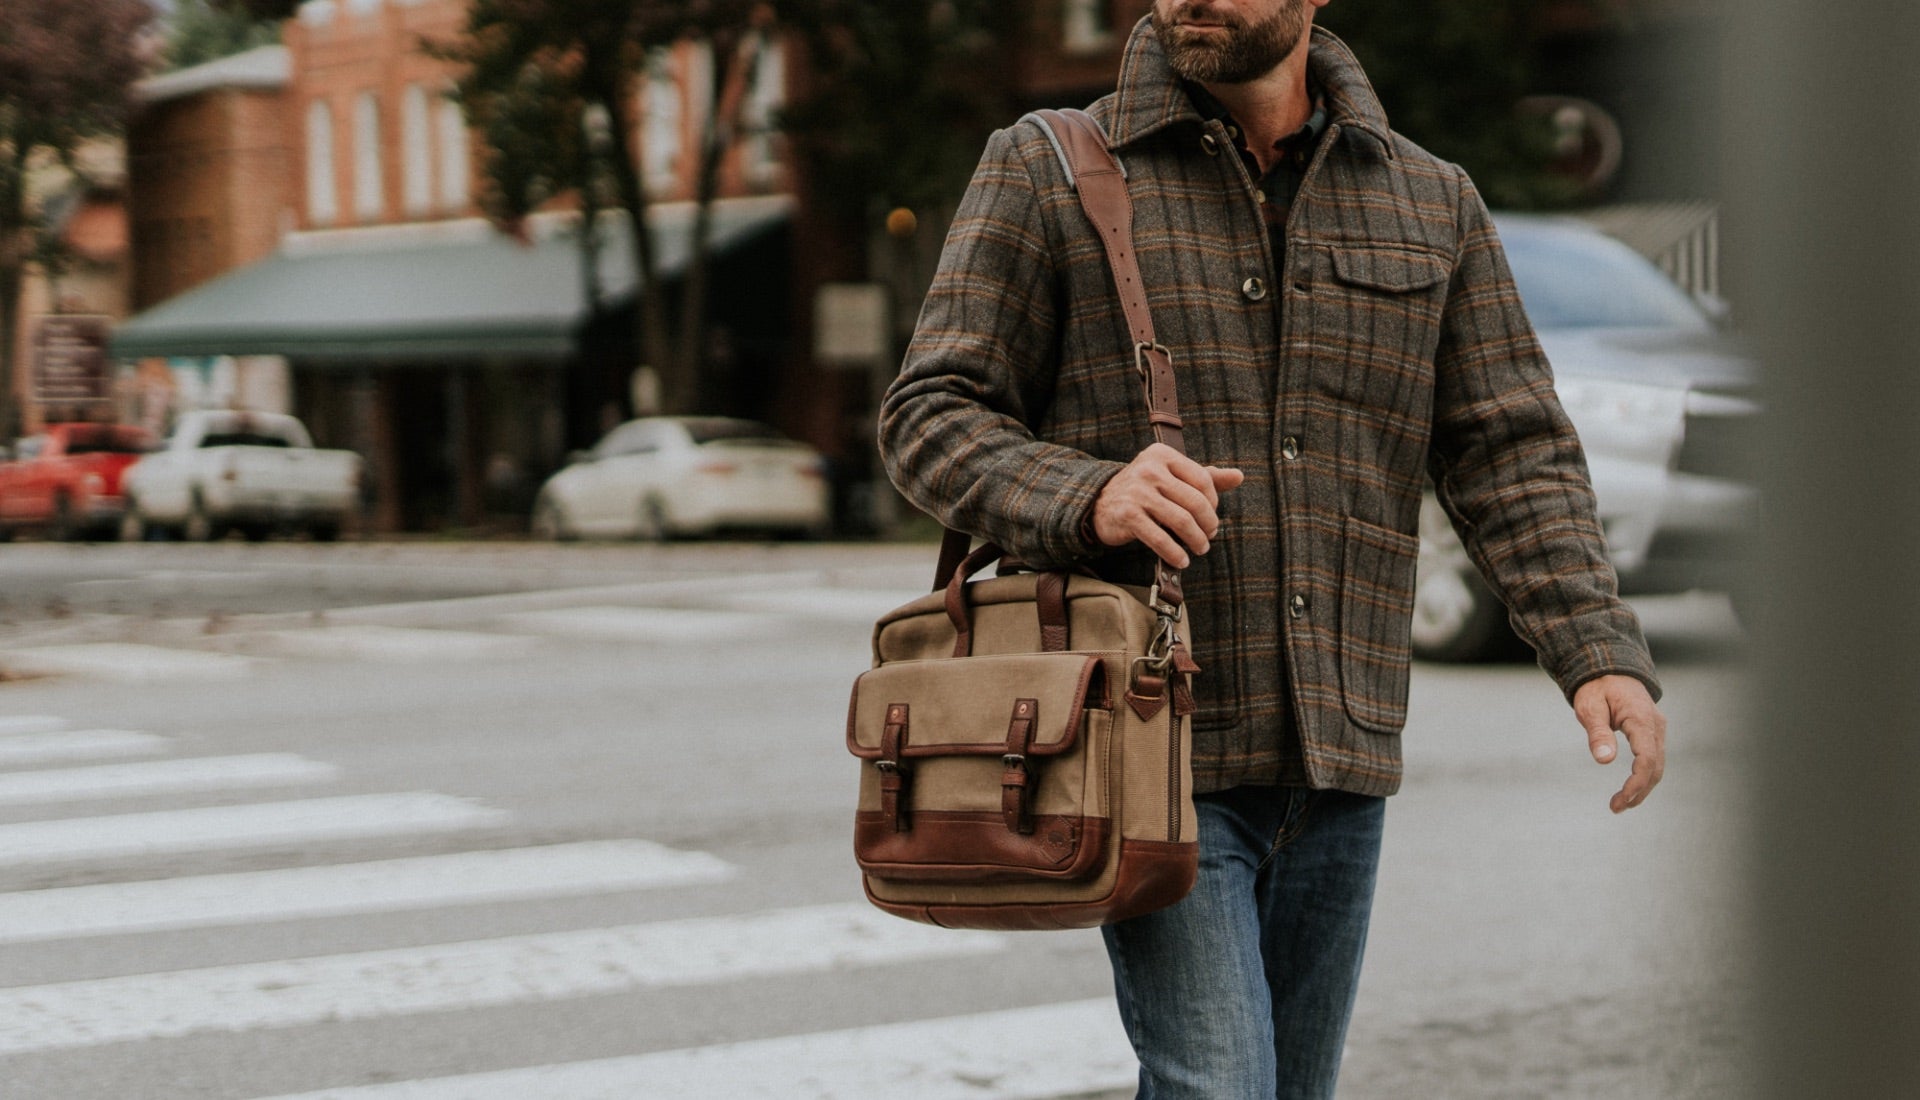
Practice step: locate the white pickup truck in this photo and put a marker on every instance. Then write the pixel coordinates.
(251, 472)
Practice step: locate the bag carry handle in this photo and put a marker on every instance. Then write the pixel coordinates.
(1049, 598)
(1095, 173)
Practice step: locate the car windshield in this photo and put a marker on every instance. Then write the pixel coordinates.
(108, 441)
(1574, 278)
(719, 430)
(243, 439)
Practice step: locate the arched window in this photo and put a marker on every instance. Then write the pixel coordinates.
(416, 153)
(456, 166)
(323, 200)
(368, 202)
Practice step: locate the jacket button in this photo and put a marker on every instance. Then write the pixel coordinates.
(1290, 448)
(1210, 144)
(1255, 288)
(1297, 606)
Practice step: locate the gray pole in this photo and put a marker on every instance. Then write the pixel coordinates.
(1823, 152)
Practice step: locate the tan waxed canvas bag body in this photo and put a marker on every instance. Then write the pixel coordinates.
(1025, 740)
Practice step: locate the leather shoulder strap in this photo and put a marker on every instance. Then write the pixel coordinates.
(1100, 180)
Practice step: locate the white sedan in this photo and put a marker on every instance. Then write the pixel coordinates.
(661, 477)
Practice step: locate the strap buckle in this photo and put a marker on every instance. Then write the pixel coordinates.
(1140, 350)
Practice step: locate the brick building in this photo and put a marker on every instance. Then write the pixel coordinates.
(462, 364)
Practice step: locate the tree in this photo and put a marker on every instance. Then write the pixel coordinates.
(66, 67)
(199, 31)
(550, 86)
(902, 96)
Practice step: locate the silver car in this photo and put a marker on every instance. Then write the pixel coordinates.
(662, 477)
(1663, 405)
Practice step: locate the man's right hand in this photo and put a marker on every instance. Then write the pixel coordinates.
(1165, 501)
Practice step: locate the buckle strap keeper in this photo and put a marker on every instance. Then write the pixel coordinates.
(1016, 782)
(896, 779)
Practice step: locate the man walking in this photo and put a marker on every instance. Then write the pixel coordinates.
(1345, 329)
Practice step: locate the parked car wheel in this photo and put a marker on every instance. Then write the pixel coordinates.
(652, 524)
(63, 527)
(550, 523)
(200, 527)
(1456, 617)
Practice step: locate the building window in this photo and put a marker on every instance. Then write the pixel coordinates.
(367, 200)
(316, 13)
(323, 201)
(1086, 25)
(456, 167)
(768, 95)
(416, 153)
(663, 127)
(363, 7)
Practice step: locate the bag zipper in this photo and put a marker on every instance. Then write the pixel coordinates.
(1173, 772)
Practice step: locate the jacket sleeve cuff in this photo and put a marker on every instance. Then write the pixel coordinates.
(1069, 535)
(1609, 659)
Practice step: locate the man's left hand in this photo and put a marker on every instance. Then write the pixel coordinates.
(1608, 703)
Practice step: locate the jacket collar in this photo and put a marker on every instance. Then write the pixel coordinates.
(1150, 99)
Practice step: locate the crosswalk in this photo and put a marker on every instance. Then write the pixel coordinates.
(275, 808)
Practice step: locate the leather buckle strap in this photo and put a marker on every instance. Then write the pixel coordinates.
(896, 778)
(1016, 781)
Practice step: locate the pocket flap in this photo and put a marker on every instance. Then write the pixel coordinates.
(962, 706)
(1387, 269)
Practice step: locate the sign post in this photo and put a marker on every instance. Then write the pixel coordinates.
(72, 377)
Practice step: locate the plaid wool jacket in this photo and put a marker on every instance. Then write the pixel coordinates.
(1391, 348)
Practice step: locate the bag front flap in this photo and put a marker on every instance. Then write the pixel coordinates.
(963, 706)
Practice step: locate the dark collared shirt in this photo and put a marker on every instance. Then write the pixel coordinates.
(1276, 191)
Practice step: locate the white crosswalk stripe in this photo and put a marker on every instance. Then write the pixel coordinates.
(464, 878)
(260, 825)
(265, 769)
(516, 970)
(74, 745)
(1033, 1053)
(1021, 1054)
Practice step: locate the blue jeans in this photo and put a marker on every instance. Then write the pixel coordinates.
(1243, 988)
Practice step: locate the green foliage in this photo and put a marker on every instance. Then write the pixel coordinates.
(199, 31)
(901, 98)
(65, 70)
(1450, 75)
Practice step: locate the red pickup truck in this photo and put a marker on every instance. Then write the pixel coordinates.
(66, 480)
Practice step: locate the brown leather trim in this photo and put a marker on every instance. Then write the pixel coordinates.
(979, 848)
(1015, 779)
(958, 613)
(1147, 694)
(954, 546)
(1153, 875)
(1050, 601)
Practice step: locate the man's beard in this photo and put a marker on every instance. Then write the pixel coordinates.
(1246, 52)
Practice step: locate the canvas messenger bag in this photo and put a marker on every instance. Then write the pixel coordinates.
(1024, 740)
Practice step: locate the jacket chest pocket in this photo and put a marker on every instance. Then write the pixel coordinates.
(1377, 309)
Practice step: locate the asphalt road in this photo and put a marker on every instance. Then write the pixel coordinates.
(432, 820)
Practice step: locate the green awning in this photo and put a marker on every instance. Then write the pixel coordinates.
(428, 292)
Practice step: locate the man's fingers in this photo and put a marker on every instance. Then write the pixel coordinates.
(1618, 702)
(1225, 477)
(1599, 726)
(1639, 784)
